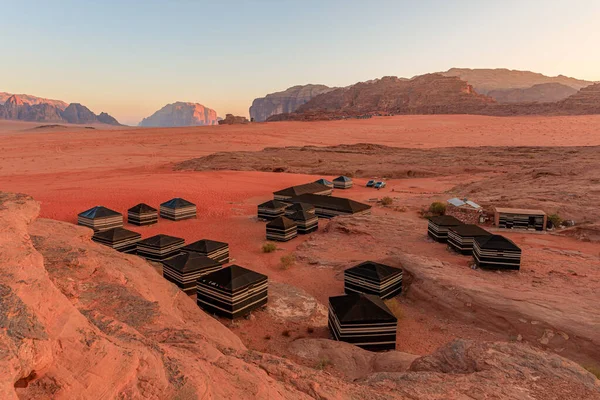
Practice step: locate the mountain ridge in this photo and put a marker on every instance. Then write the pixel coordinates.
(181, 114)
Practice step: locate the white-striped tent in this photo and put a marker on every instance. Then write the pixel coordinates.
(142, 214)
(305, 222)
(342, 182)
(438, 227)
(100, 218)
(218, 251)
(281, 229)
(496, 252)
(307, 208)
(184, 270)
(325, 182)
(120, 239)
(160, 247)
(373, 278)
(177, 209)
(307, 188)
(461, 237)
(271, 209)
(363, 320)
(232, 292)
(330, 206)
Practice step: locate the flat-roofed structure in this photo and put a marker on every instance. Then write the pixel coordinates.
(331, 206)
(438, 226)
(373, 278)
(496, 252)
(520, 218)
(100, 218)
(307, 188)
(461, 237)
(185, 268)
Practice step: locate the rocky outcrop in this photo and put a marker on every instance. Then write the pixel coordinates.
(75, 113)
(105, 118)
(33, 100)
(542, 93)
(286, 101)
(231, 119)
(181, 114)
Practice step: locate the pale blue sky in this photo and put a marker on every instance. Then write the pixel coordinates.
(129, 58)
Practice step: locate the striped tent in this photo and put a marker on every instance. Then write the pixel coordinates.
(281, 229)
(142, 214)
(159, 247)
(177, 209)
(304, 207)
(305, 222)
(120, 239)
(342, 182)
(461, 237)
(496, 252)
(325, 182)
(373, 278)
(438, 227)
(232, 292)
(271, 209)
(307, 188)
(330, 206)
(218, 251)
(363, 320)
(100, 218)
(185, 268)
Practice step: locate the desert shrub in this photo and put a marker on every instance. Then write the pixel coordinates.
(386, 201)
(323, 363)
(286, 333)
(437, 208)
(593, 370)
(287, 261)
(269, 247)
(395, 307)
(555, 219)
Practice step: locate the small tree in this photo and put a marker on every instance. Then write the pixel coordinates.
(437, 208)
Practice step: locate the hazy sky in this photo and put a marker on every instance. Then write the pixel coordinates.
(129, 58)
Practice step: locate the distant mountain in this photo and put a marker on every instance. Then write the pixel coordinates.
(542, 93)
(16, 108)
(286, 101)
(32, 100)
(181, 114)
(486, 80)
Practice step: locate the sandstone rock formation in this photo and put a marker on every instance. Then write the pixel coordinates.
(231, 119)
(181, 114)
(286, 101)
(75, 113)
(32, 100)
(541, 93)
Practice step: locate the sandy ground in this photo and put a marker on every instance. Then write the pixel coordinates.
(74, 169)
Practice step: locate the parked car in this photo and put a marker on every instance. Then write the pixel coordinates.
(379, 185)
(371, 183)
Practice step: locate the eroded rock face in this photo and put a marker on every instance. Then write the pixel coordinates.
(32, 100)
(542, 93)
(231, 119)
(181, 114)
(286, 101)
(76, 113)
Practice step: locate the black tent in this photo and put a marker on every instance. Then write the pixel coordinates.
(461, 237)
(185, 268)
(307, 188)
(232, 292)
(120, 239)
(373, 278)
(342, 182)
(281, 229)
(308, 208)
(325, 182)
(100, 218)
(438, 227)
(218, 251)
(363, 320)
(305, 222)
(271, 209)
(142, 214)
(330, 206)
(177, 209)
(496, 252)
(160, 247)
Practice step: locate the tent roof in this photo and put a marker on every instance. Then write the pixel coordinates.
(142, 208)
(274, 204)
(204, 246)
(459, 203)
(281, 223)
(519, 211)
(233, 277)
(99, 212)
(116, 234)
(331, 202)
(359, 307)
(470, 230)
(447, 220)
(496, 242)
(177, 202)
(161, 241)
(302, 216)
(323, 181)
(343, 179)
(301, 207)
(188, 262)
(373, 270)
(312, 187)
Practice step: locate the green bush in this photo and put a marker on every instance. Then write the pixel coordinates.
(269, 247)
(555, 219)
(437, 208)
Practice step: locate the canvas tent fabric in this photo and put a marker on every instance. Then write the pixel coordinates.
(100, 218)
(307, 188)
(342, 182)
(232, 292)
(185, 268)
(438, 226)
(308, 208)
(305, 222)
(120, 239)
(363, 320)
(373, 278)
(496, 252)
(461, 237)
(331, 206)
(177, 209)
(271, 209)
(142, 214)
(325, 182)
(218, 251)
(281, 229)
(160, 247)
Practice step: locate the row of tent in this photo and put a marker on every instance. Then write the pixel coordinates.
(489, 251)
(100, 218)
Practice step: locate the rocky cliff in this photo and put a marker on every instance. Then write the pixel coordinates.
(231, 119)
(181, 114)
(286, 101)
(33, 100)
(541, 93)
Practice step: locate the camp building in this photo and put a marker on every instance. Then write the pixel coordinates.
(160, 247)
(185, 268)
(461, 237)
(373, 278)
(218, 251)
(307, 188)
(520, 218)
(100, 218)
(271, 209)
(496, 252)
(281, 229)
(142, 214)
(330, 206)
(177, 209)
(438, 226)
(120, 239)
(342, 182)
